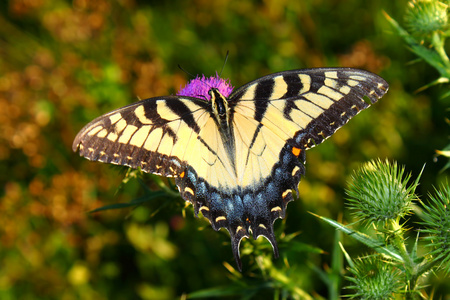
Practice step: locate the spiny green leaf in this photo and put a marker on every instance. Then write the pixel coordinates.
(347, 256)
(134, 202)
(365, 239)
(232, 290)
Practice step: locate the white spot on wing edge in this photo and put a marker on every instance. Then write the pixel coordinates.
(352, 82)
(345, 89)
(220, 218)
(286, 192)
(331, 74)
(276, 208)
(94, 131)
(357, 77)
(112, 136)
(102, 133)
(189, 190)
(294, 171)
(120, 125)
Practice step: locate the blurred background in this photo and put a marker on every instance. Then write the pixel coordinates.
(63, 63)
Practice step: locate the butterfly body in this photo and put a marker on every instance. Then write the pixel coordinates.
(237, 158)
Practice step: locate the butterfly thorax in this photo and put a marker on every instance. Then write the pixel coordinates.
(221, 113)
(220, 107)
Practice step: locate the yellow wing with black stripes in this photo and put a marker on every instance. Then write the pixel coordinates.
(237, 159)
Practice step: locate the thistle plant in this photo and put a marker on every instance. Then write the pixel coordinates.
(427, 28)
(381, 195)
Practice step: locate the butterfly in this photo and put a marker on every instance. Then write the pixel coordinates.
(236, 156)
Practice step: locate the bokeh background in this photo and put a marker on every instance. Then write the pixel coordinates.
(63, 63)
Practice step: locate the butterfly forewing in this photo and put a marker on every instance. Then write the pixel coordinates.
(311, 103)
(147, 134)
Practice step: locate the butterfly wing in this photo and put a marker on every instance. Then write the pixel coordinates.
(276, 118)
(310, 103)
(159, 135)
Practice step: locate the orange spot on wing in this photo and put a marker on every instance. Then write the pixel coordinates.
(296, 151)
(182, 174)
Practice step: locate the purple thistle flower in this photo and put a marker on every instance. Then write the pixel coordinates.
(200, 86)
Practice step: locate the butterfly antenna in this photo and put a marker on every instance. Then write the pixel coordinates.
(181, 68)
(224, 63)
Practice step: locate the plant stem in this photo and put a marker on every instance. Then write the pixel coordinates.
(438, 44)
(409, 265)
(400, 245)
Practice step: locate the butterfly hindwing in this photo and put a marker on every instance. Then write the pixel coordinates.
(243, 177)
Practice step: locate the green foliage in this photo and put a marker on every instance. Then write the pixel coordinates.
(428, 29)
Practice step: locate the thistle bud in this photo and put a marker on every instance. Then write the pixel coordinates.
(378, 192)
(424, 17)
(374, 278)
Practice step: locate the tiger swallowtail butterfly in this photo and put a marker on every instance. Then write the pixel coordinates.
(236, 156)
